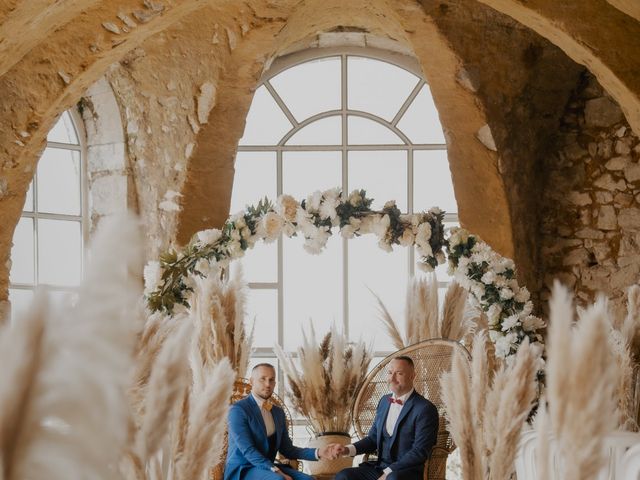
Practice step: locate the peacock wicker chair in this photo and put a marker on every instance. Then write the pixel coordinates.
(431, 358)
(242, 388)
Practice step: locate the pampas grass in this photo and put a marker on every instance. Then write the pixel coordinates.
(581, 379)
(72, 417)
(326, 381)
(486, 415)
(423, 319)
(218, 314)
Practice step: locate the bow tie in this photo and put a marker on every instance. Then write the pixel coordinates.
(395, 400)
(267, 405)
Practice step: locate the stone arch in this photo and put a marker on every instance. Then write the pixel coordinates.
(480, 192)
(597, 45)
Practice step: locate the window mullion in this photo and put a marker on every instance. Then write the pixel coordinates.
(407, 102)
(281, 104)
(345, 190)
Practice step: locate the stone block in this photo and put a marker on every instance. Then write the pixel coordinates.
(622, 148)
(607, 218)
(602, 112)
(590, 233)
(607, 182)
(579, 256)
(625, 277)
(603, 197)
(580, 198)
(623, 199)
(617, 163)
(632, 172)
(629, 218)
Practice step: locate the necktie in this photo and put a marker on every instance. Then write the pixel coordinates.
(395, 400)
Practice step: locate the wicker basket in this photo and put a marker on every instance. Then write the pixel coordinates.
(329, 467)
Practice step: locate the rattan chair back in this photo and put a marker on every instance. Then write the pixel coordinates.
(431, 359)
(242, 388)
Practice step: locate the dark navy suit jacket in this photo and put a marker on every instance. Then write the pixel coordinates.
(248, 443)
(414, 434)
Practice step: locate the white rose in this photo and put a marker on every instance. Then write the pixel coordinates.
(209, 237)
(235, 249)
(389, 204)
(272, 225)
(287, 207)
(506, 293)
(152, 276)
(313, 201)
(423, 236)
(348, 231)
(407, 237)
(328, 209)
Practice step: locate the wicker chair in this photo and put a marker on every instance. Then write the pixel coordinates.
(431, 359)
(241, 389)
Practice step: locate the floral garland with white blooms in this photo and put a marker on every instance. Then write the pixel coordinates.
(489, 277)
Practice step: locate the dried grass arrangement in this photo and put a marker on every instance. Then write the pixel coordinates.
(486, 412)
(424, 319)
(582, 378)
(326, 380)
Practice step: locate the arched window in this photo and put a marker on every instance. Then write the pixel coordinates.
(48, 240)
(351, 118)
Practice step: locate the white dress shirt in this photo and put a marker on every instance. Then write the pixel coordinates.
(390, 425)
(266, 415)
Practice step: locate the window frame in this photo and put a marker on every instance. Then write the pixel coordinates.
(35, 214)
(289, 61)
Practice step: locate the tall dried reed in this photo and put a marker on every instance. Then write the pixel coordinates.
(423, 317)
(325, 380)
(487, 414)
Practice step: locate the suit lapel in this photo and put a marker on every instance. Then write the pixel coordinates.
(255, 409)
(403, 413)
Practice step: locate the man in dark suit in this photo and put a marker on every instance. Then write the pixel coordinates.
(403, 433)
(258, 431)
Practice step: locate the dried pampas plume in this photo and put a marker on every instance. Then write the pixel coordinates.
(581, 378)
(324, 385)
(218, 314)
(79, 366)
(486, 416)
(423, 320)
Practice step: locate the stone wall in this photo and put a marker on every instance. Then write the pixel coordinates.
(590, 230)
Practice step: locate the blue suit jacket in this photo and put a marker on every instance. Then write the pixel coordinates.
(248, 443)
(414, 435)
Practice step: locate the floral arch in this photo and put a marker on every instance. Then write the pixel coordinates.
(489, 277)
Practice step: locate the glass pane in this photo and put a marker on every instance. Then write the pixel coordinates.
(421, 121)
(305, 172)
(260, 263)
(432, 184)
(384, 273)
(59, 252)
(326, 131)
(378, 87)
(63, 131)
(312, 289)
(254, 179)
(28, 201)
(363, 131)
(20, 302)
(266, 122)
(262, 305)
(382, 174)
(22, 253)
(59, 181)
(310, 88)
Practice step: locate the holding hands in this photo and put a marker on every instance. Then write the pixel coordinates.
(333, 451)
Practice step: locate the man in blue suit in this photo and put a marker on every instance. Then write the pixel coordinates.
(403, 433)
(258, 431)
